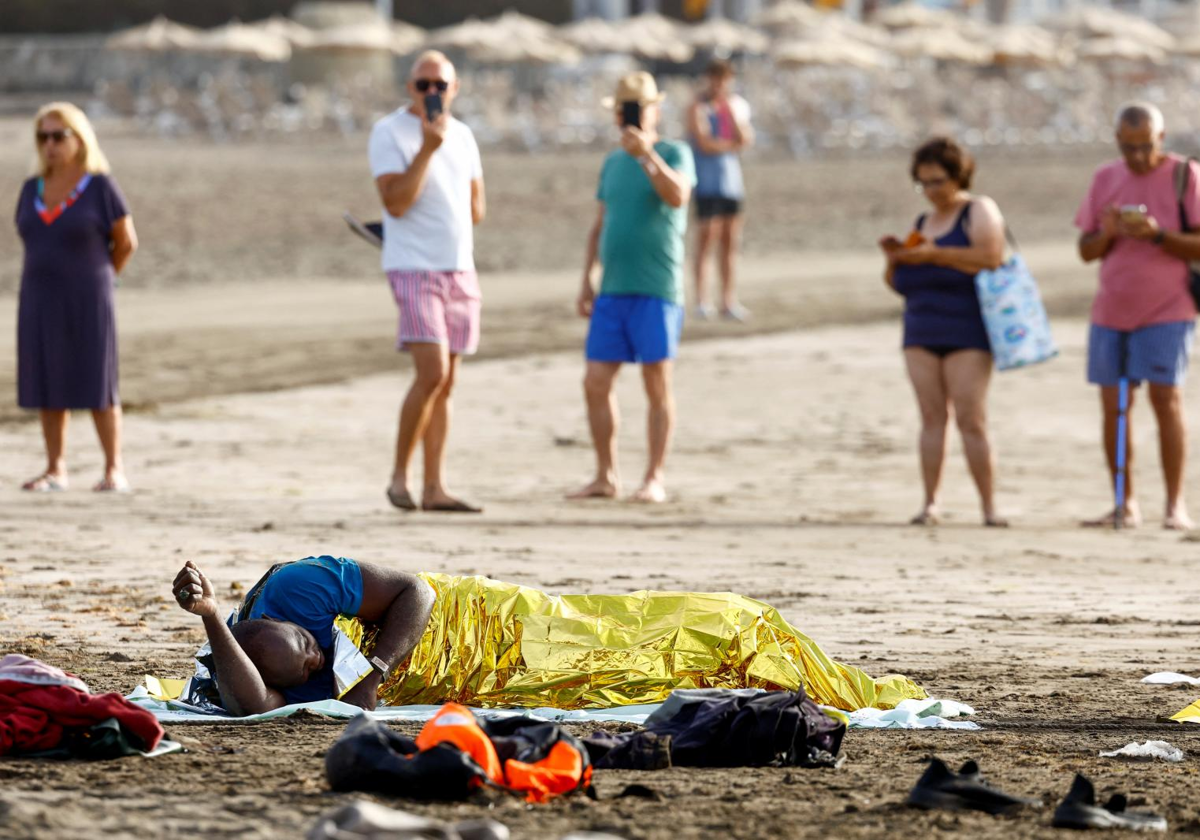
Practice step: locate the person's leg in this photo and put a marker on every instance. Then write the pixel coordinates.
(1172, 443)
(108, 429)
(660, 422)
(54, 432)
(1110, 402)
(603, 419)
(730, 243)
(967, 374)
(706, 233)
(925, 373)
(434, 496)
(431, 363)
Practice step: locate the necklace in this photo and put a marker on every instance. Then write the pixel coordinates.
(49, 216)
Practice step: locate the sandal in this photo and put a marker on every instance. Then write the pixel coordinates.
(46, 483)
(111, 485)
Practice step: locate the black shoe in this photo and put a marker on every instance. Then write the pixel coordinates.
(1079, 810)
(961, 791)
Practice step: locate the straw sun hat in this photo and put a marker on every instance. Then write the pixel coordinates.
(636, 87)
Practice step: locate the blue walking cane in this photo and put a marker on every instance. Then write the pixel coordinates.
(1122, 438)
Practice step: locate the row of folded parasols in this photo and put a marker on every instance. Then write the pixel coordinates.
(791, 32)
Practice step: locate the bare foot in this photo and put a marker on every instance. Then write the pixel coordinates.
(1177, 519)
(1131, 517)
(601, 488)
(440, 501)
(47, 482)
(991, 520)
(651, 492)
(929, 515)
(401, 498)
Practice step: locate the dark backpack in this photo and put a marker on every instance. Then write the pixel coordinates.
(1183, 183)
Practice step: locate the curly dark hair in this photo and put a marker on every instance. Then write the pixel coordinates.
(719, 68)
(946, 153)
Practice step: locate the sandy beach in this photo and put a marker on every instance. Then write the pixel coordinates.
(263, 395)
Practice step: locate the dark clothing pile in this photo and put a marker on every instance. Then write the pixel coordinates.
(726, 728)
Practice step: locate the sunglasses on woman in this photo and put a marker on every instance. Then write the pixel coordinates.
(423, 85)
(44, 137)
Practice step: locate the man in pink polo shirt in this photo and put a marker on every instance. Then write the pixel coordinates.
(1143, 316)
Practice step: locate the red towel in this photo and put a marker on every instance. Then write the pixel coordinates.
(34, 717)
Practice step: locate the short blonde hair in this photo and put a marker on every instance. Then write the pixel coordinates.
(432, 57)
(90, 154)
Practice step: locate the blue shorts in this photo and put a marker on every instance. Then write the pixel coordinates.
(634, 328)
(1158, 354)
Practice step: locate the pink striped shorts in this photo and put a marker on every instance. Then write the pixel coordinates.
(438, 307)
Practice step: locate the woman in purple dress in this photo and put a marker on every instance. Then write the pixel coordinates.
(78, 235)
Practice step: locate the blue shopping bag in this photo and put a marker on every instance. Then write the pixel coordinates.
(1016, 321)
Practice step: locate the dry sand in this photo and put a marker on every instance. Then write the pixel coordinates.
(793, 468)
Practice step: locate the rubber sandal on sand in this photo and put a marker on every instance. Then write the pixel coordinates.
(1079, 810)
(109, 485)
(45, 483)
(940, 789)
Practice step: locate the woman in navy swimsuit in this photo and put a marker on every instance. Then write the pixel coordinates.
(945, 343)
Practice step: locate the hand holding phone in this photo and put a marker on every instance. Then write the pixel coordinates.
(434, 107)
(631, 114)
(1132, 214)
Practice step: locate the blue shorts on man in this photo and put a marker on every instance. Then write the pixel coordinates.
(634, 328)
(1157, 354)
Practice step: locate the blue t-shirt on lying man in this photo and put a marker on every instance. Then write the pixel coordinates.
(311, 593)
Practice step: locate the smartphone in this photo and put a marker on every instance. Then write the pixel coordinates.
(1132, 213)
(631, 114)
(433, 106)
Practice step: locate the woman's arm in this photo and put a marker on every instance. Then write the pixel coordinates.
(401, 604)
(243, 691)
(124, 242)
(478, 201)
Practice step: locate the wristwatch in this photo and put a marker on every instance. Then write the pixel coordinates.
(1160, 237)
(379, 665)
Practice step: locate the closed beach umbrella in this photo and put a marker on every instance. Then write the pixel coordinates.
(593, 35)
(654, 37)
(159, 35)
(355, 38)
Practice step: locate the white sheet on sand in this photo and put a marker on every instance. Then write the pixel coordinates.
(910, 714)
(1170, 678)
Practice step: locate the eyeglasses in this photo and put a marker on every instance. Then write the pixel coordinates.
(931, 184)
(423, 85)
(44, 137)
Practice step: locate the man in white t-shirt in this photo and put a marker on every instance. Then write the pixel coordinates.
(430, 179)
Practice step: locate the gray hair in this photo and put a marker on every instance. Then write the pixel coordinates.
(1138, 114)
(432, 57)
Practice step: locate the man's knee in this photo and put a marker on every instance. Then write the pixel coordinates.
(1166, 399)
(658, 385)
(597, 384)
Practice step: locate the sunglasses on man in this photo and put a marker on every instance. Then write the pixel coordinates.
(44, 137)
(423, 85)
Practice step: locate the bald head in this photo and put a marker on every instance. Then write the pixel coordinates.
(285, 654)
(432, 73)
(1140, 132)
(1141, 115)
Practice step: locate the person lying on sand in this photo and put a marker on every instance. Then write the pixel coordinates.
(481, 642)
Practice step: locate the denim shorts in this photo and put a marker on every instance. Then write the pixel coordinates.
(1157, 354)
(634, 328)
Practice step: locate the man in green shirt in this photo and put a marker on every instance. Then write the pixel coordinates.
(644, 190)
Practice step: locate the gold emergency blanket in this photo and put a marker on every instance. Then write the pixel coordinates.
(499, 644)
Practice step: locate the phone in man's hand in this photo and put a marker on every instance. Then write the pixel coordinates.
(433, 106)
(631, 114)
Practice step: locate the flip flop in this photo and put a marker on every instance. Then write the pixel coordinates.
(107, 485)
(1079, 810)
(456, 507)
(401, 500)
(45, 483)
